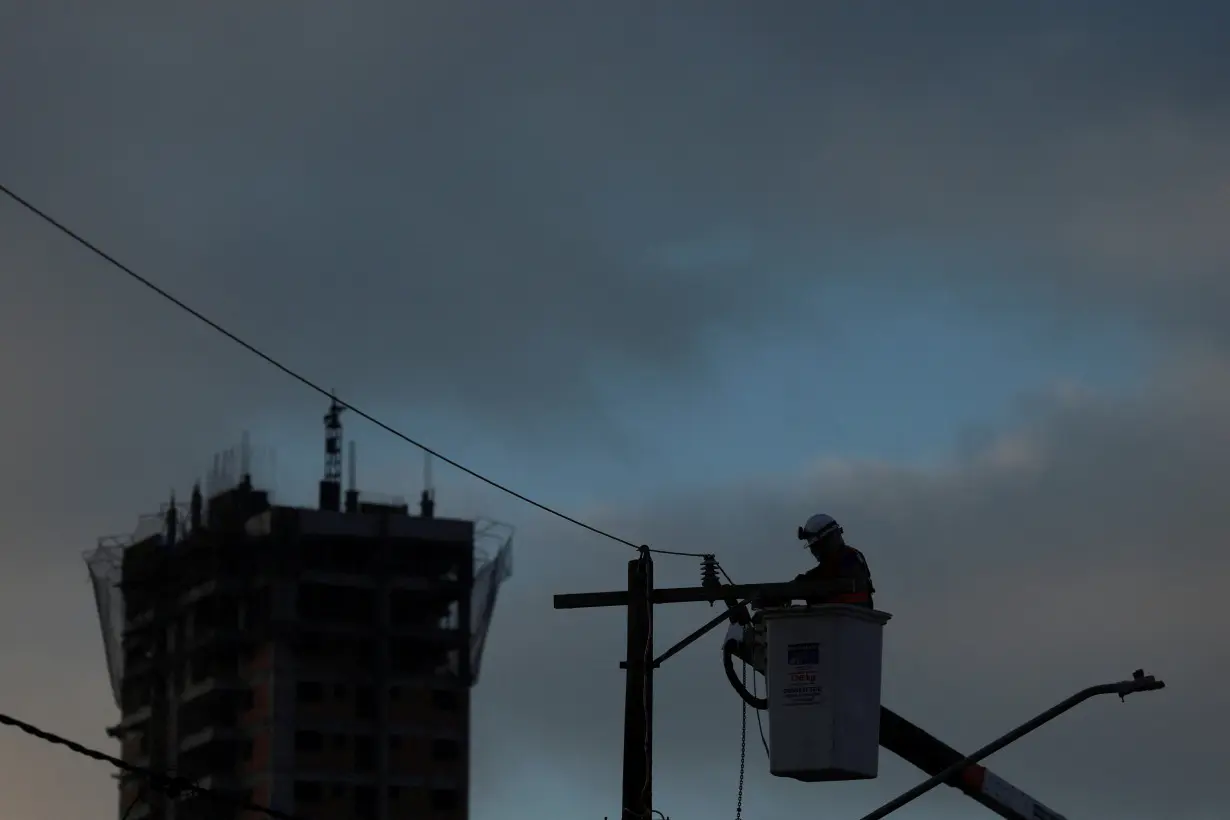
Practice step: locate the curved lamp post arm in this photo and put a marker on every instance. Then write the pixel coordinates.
(1140, 682)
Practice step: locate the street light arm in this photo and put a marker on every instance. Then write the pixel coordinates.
(1140, 682)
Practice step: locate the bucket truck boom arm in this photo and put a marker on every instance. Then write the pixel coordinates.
(932, 756)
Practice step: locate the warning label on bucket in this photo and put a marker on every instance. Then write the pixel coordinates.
(803, 654)
(801, 695)
(800, 688)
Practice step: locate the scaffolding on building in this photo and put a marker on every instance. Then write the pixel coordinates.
(492, 560)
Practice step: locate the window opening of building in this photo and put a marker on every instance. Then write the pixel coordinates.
(309, 691)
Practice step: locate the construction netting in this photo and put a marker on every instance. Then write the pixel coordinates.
(106, 563)
(493, 566)
(491, 572)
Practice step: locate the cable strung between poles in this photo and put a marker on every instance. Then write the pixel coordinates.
(167, 784)
(304, 380)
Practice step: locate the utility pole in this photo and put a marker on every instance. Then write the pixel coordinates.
(640, 598)
(638, 692)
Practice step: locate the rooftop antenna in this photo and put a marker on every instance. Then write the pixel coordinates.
(172, 522)
(195, 509)
(245, 461)
(427, 500)
(331, 484)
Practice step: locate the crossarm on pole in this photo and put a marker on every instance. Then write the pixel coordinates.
(791, 590)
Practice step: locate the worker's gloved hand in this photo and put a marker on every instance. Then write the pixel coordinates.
(739, 615)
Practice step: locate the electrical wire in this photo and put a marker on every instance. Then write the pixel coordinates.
(132, 805)
(743, 727)
(759, 724)
(304, 380)
(167, 784)
(742, 751)
(128, 811)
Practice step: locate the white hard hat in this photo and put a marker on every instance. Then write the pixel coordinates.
(818, 527)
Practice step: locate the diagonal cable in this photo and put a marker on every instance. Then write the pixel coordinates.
(304, 380)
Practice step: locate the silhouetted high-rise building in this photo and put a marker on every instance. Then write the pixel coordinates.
(315, 660)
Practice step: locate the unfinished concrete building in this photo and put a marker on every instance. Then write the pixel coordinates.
(316, 660)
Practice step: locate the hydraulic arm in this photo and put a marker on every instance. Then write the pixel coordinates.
(933, 756)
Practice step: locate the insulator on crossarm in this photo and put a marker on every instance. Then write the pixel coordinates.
(709, 575)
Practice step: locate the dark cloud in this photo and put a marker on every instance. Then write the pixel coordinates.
(487, 198)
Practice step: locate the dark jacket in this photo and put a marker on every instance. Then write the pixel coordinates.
(846, 564)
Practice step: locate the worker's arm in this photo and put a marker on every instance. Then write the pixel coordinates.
(816, 574)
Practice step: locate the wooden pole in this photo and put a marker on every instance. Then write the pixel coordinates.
(638, 696)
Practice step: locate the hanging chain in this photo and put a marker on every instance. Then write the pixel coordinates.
(742, 752)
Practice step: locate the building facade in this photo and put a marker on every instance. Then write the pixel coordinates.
(316, 660)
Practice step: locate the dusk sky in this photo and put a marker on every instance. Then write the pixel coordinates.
(954, 272)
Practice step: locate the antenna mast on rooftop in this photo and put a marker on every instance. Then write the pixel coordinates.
(245, 460)
(333, 442)
(331, 484)
(427, 501)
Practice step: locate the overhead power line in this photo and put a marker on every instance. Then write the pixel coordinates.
(304, 380)
(154, 781)
(135, 802)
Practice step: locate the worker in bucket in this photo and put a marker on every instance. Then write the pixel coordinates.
(835, 561)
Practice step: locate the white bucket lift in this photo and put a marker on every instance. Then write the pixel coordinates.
(823, 669)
